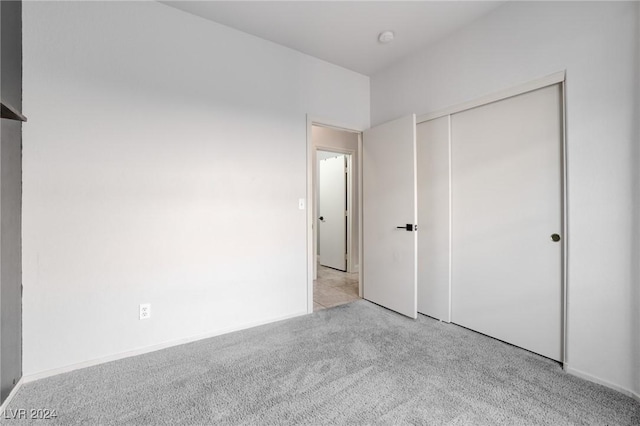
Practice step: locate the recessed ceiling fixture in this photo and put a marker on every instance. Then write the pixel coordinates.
(386, 37)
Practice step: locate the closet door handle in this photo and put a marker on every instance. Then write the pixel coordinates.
(408, 227)
(555, 237)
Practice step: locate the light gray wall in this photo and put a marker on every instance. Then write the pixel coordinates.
(327, 137)
(10, 199)
(597, 44)
(163, 163)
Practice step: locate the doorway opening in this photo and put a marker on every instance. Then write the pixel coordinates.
(334, 209)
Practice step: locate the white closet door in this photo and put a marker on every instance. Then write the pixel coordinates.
(433, 216)
(389, 202)
(333, 206)
(506, 204)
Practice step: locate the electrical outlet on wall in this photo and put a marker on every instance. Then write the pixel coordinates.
(145, 311)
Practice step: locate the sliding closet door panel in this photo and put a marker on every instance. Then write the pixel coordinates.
(506, 204)
(433, 217)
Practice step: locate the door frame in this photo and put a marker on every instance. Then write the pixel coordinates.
(311, 214)
(348, 153)
(549, 80)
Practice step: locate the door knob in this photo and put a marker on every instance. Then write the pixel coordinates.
(555, 237)
(321, 218)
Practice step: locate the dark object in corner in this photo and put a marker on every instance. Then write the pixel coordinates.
(11, 114)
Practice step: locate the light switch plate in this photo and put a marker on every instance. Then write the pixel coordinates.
(301, 203)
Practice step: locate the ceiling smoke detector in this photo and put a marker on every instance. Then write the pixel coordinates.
(386, 37)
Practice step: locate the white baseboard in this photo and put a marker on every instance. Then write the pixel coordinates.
(600, 381)
(140, 351)
(13, 393)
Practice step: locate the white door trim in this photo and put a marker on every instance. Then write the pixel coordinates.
(565, 227)
(311, 231)
(557, 77)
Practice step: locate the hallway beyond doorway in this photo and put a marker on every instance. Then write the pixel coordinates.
(333, 288)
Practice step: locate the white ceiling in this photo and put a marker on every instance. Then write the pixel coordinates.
(344, 32)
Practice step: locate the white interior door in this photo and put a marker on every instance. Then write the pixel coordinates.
(433, 217)
(332, 222)
(389, 201)
(506, 204)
